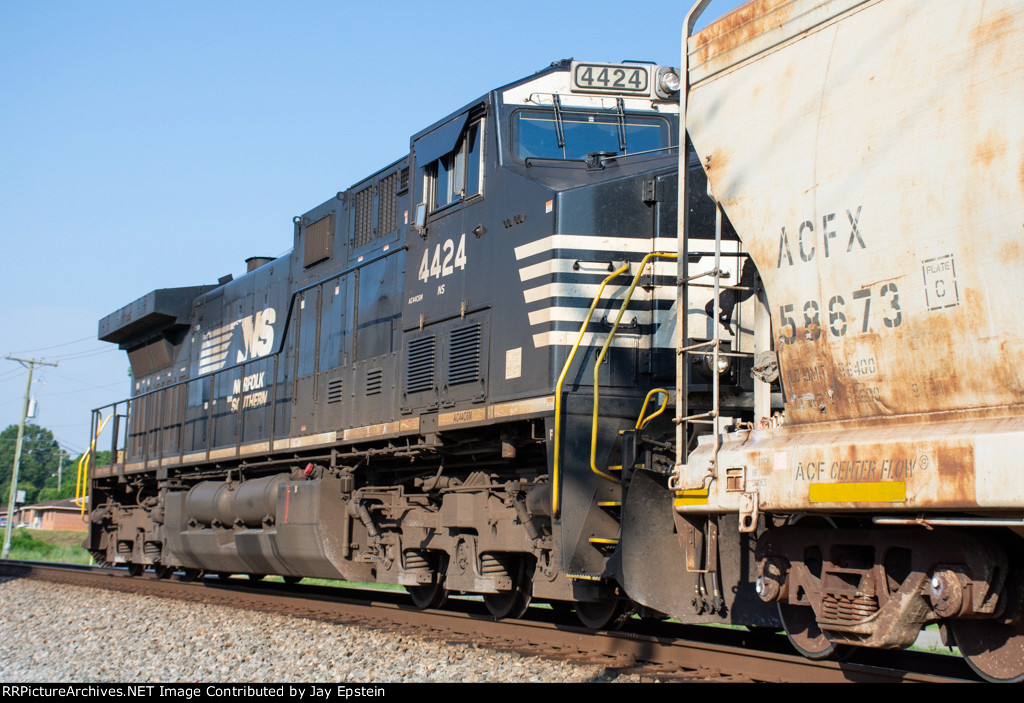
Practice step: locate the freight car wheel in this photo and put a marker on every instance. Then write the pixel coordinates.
(135, 569)
(993, 649)
(806, 637)
(428, 597)
(162, 571)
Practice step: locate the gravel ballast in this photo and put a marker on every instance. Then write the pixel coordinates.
(63, 633)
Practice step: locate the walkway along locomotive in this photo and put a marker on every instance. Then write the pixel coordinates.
(463, 376)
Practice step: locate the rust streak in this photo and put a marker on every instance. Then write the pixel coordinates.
(956, 471)
(739, 26)
(992, 147)
(994, 30)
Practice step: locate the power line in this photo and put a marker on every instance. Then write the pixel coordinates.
(8, 377)
(87, 353)
(75, 380)
(55, 346)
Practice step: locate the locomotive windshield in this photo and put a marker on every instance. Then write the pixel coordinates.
(565, 135)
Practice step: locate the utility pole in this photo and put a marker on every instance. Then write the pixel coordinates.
(29, 364)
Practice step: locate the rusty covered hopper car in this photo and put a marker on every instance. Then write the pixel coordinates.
(870, 156)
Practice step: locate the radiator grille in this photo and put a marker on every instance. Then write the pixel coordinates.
(362, 231)
(387, 215)
(419, 369)
(464, 356)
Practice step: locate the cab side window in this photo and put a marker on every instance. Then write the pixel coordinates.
(458, 174)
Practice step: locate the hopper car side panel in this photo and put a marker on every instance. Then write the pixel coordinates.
(868, 154)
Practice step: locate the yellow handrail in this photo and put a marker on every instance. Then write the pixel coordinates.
(604, 350)
(558, 387)
(641, 421)
(82, 482)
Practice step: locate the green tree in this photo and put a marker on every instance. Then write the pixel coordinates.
(40, 457)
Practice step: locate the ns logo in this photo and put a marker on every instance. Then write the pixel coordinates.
(239, 341)
(257, 335)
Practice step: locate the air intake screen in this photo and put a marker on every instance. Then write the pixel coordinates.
(464, 356)
(419, 370)
(335, 387)
(387, 220)
(363, 229)
(374, 381)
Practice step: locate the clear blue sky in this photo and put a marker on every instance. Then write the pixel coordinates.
(153, 145)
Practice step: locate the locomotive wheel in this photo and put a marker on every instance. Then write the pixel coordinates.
(599, 614)
(512, 603)
(995, 650)
(162, 571)
(135, 569)
(508, 604)
(429, 596)
(190, 574)
(806, 637)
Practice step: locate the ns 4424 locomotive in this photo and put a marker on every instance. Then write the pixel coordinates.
(448, 382)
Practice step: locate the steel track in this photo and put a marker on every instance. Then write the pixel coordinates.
(655, 651)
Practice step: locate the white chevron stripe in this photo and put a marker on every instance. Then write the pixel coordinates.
(588, 242)
(588, 291)
(556, 314)
(555, 266)
(566, 338)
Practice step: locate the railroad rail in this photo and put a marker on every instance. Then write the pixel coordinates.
(655, 651)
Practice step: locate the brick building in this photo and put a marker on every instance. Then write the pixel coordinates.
(52, 515)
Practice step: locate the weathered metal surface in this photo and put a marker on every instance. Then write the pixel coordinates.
(756, 27)
(870, 157)
(882, 465)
